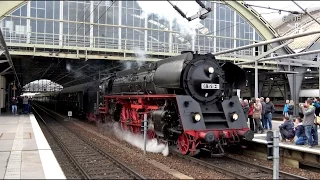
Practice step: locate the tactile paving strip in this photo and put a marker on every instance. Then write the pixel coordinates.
(14, 166)
(18, 139)
(13, 170)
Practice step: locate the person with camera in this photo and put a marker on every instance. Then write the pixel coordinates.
(309, 122)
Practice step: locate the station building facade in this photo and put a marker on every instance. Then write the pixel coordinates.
(122, 25)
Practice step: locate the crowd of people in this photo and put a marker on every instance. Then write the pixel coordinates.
(20, 105)
(259, 113)
(302, 130)
(305, 127)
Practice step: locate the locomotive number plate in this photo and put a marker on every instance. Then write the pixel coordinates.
(210, 86)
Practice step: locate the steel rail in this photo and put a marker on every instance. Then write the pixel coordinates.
(235, 174)
(211, 166)
(267, 169)
(98, 149)
(63, 147)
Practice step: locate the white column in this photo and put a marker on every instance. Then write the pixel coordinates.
(170, 37)
(146, 32)
(28, 22)
(238, 92)
(254, 38)
(119, 23)
(61, 24)
(91, 23)
(215, 27)
(234, 29)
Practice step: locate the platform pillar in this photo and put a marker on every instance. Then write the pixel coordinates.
(295, 81)
(262, 78)
(250, 79)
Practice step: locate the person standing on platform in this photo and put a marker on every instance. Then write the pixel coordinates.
(290, 109)
(14, 103)
(286, 108)
(20, 104)
(245, 107)
(26, 105)
(269, 111)
(30, 104)
(316, 104)
(263, 117)
(287, 130)
(299, 132)
(250, 113)
(257, 116)
(308, 120)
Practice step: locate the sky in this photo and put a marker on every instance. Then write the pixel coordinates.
(286, 5)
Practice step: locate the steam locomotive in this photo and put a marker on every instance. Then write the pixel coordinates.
(189, 100)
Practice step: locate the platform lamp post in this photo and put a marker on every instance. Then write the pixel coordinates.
(273, 139)
(144, 126)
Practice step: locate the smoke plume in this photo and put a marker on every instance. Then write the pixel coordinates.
(76, 73)
(137, 140)
(140, 59)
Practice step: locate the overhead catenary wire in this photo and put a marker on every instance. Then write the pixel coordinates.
(306, 12)
(279, 10)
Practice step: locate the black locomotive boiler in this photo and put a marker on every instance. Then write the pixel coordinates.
(189, 99)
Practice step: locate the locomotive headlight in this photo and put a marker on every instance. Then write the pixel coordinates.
(210, 70)
(196, 117)
(235, 116)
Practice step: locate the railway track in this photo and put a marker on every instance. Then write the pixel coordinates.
(232, 167)
(90, 161)
(236, 168)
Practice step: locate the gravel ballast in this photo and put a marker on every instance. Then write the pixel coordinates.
(185, 167)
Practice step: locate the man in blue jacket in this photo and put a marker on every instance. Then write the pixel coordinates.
(316, 104)
(287, 130)
(299, 130)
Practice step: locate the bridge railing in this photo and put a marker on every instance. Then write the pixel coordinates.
(75, 41)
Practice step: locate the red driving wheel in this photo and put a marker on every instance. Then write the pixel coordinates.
(183, 144)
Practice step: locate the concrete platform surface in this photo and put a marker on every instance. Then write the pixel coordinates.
(261, 138)
(24, 151)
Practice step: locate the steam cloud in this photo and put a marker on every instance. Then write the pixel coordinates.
(137, 140)
(140, 59)
(76, 73)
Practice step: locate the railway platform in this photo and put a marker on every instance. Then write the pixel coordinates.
(24, 150)
(291, 154)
